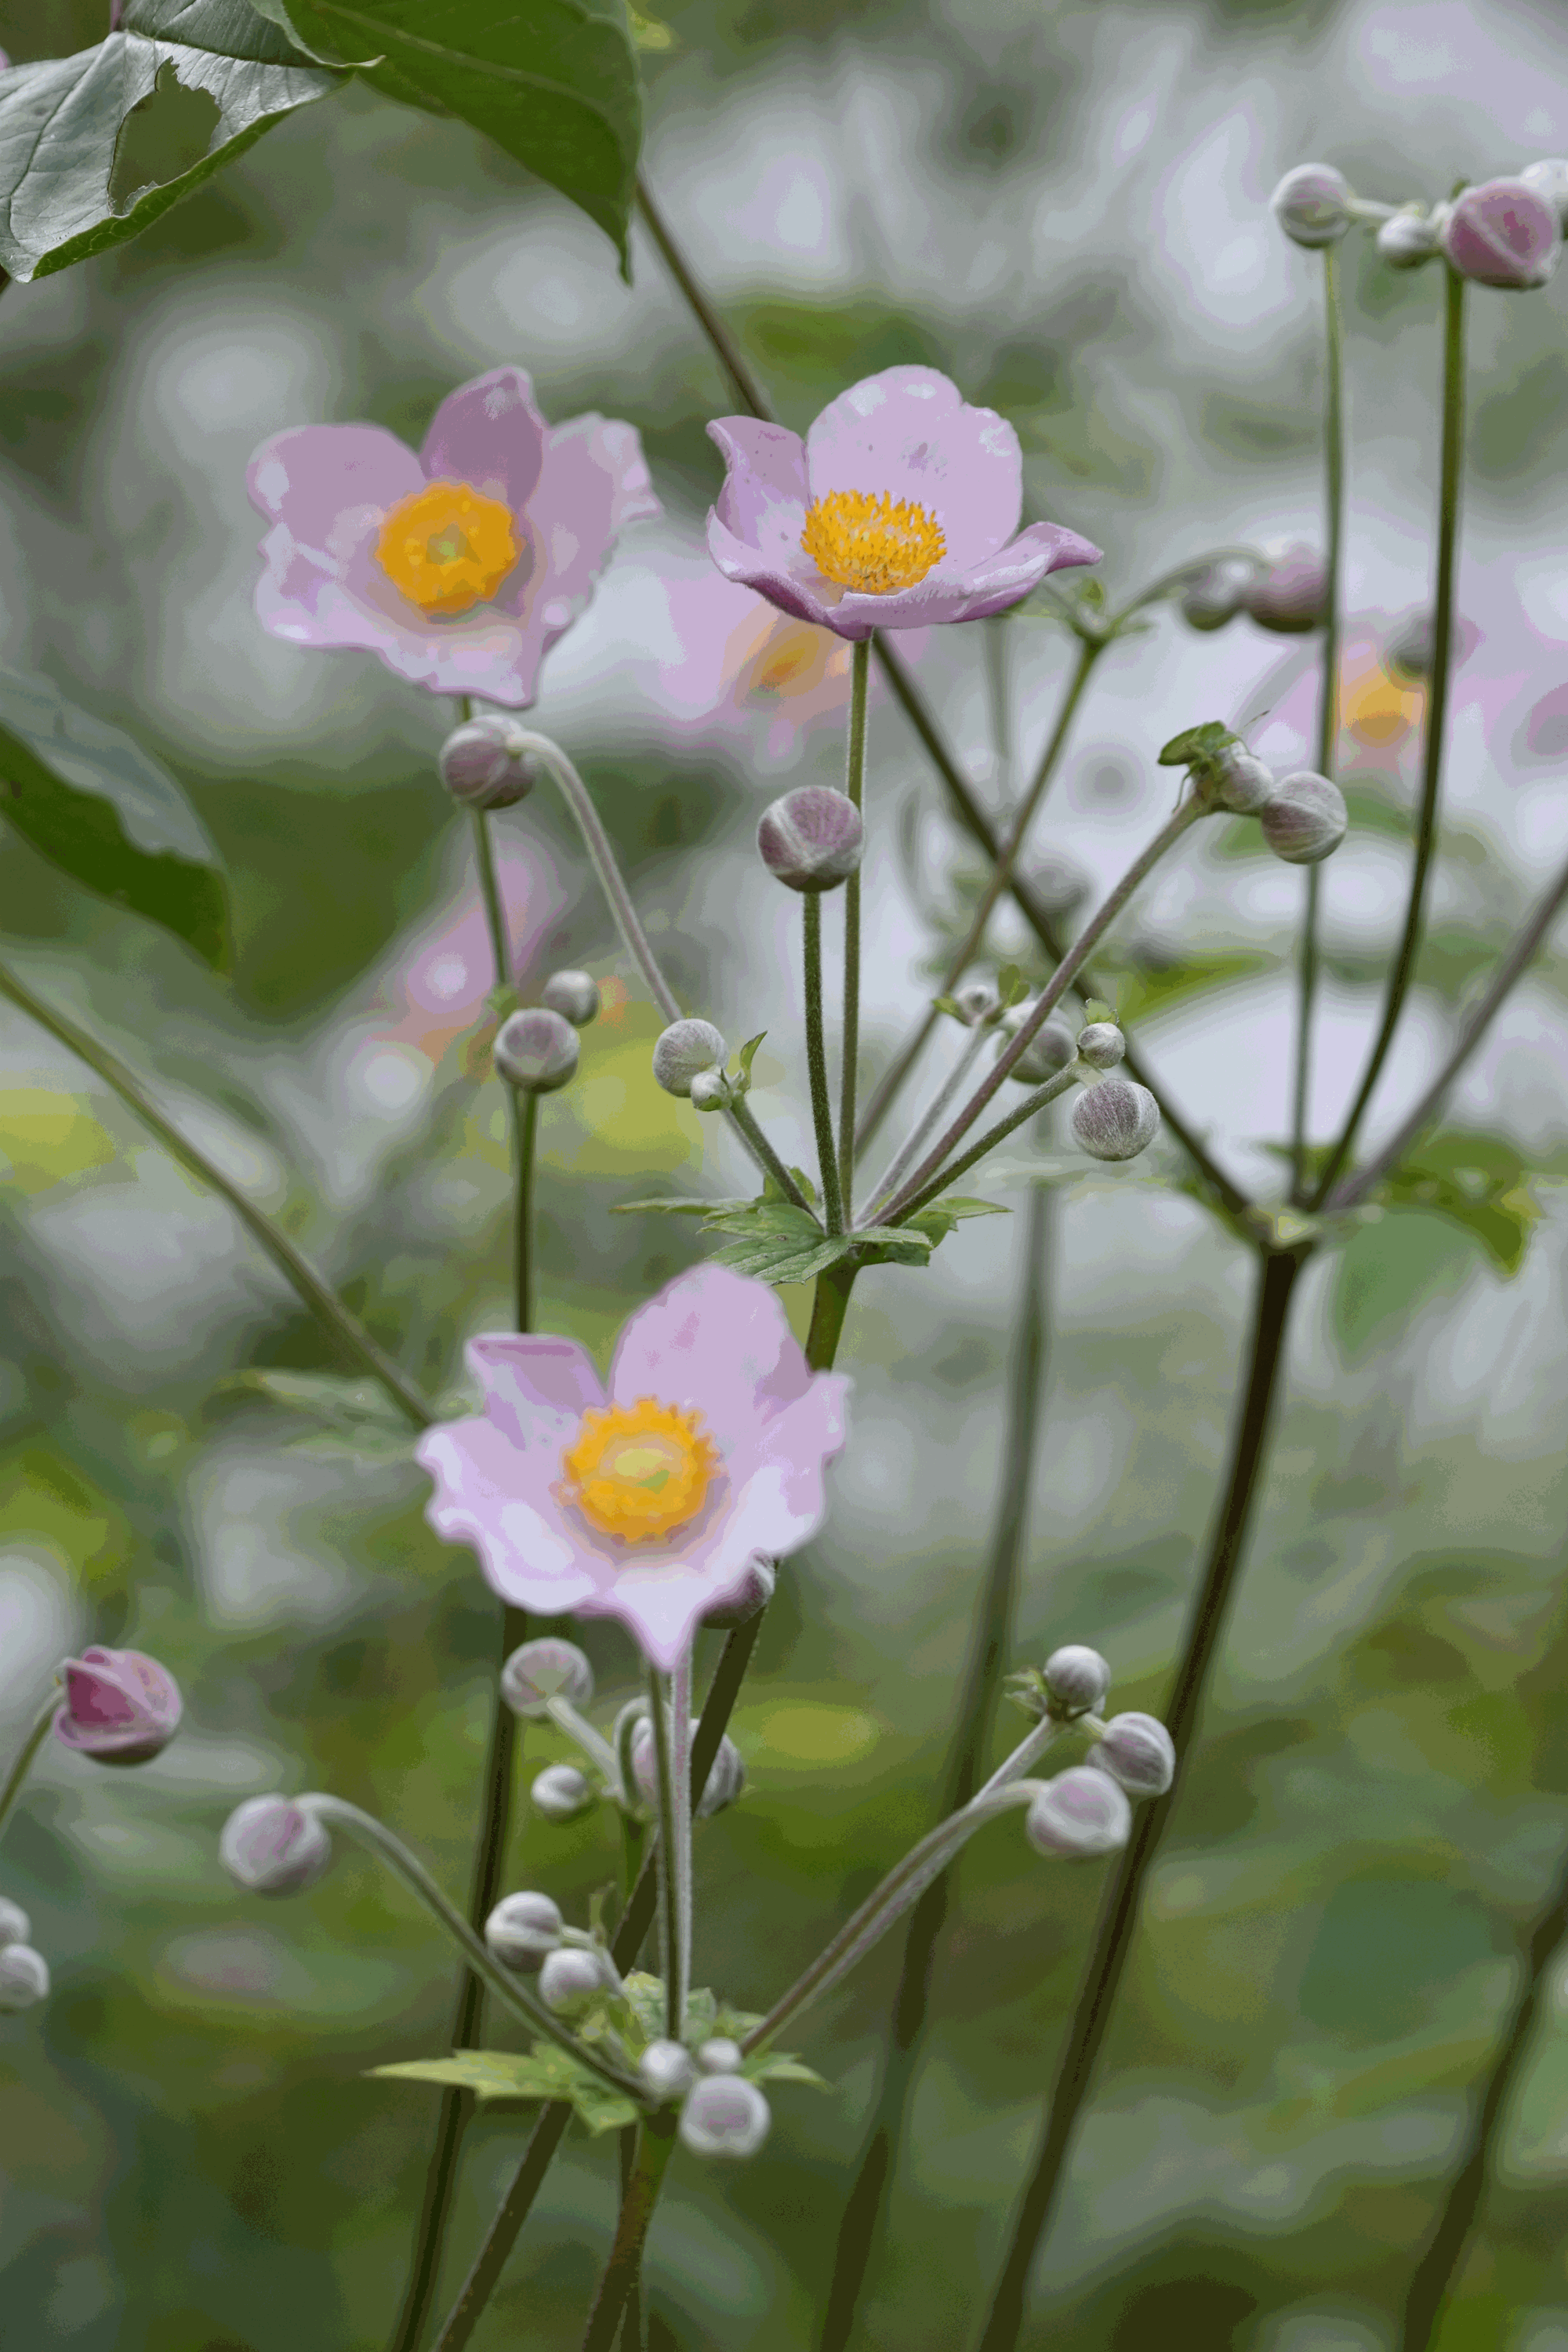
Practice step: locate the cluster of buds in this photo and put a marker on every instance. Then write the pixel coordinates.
(1113, 1117)
(1284, 589)
(536, 1050)
(688, 1060)
(1302, 815)
(550, 1680)
(24, 1973)
(1087, 1810)
(1505, 233)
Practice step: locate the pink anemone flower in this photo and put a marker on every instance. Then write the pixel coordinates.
(461, 567)
(650, 1500)
(900, 508)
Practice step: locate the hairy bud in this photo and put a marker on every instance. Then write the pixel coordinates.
(120, 1707)
(1291, 596)
(726, 1775)
(720, 2056)
(16, 1928)
(1102, 1045)
(755, 1591)
(1503, 234)
(1077, 1679)
(1116, 1119)
(482, 765)
(561, 1792)
(542, 1670)
(1242, 780)
(1078, 1815)
(667, 2070)
(523, 1931)
(1137, 1752)
(725, 2116)
(1410, 237)
(273, 1846)
(569, 1975)
(710, 1090)
(536, 1050)
(1048, 1051)
(1305, 819)
(812, 839)
(685, 1048)
(1549, 179)
(574, 994)
(23, 1977)
(1312, 203)
(1216, 595)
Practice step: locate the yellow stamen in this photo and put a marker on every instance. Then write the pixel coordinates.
(446, 547)
(638, 1470)
(875, 545)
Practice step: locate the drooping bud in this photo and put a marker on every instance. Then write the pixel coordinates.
(1102, 1045)
(481, 765)
(1216, 595)
(523, 1931)
(1549, 178)
(1077, 1679)
(726, 1775)
(1241, 781)
(1048, 1051)
(120, 1706)
(536, 1050)
(1411, 236)
(1305, 819)
(1312, 203)
(570, 1974)
(1504, 234)
(753, 1593)
(720, 2056)
(1116, 1119)
(561, 1792)
(16, 1928)
(542, 1670)
(725, 2116)
(812, 839)
(1291, 596)
(574, 994)
(24, 1978)
(667, 2070)
(274, 1846)
(685, 1048)
(1138, 1753)
(1079, 1815)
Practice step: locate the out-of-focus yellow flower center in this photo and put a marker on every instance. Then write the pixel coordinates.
(794, 658)
(638, 1470)
(1379, 708)
(875, 545)
(446, 547)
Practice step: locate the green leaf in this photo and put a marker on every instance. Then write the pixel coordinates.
(94, 148)
(1195, 744)
(1153, 988)
(950, 1005)
(553, 82)
(1011, 985)
(547, 2072)
(939, 1217)
(1388, 1271)
(908, 1245)
(748, 1053)
(92, 803)
(1478, 1183)
(681, 1205)
(346, 1416)
(768, 1259)
(1096, 1009)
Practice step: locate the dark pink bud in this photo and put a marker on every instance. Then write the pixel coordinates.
(120, 1707)
(1292, 595)
(1505, 233)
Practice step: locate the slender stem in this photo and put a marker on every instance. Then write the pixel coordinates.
(491, 2261)
(670, 1830)
(593, 1743)
(766, 1157)
(683, 1806)
(631, 2338)
(655, 2142)
(1328, 693)
(854, 786)
(900, 1211)
(24, 1757)
(494, 906)
(816, 1065)
(353, 1340)
(1074, 2067)
(1434, 724)
(989, 1643)
(887, 1183)
(525, 1134)
(747, 389)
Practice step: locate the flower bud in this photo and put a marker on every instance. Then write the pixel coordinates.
(16, 1928)
(1305, 819)
(1312, 203)
(482, 765)
(1077, 1679)
(977, 1001)
(710, 1090)
(1137, 1752)
(561, 1792)
(1216, 595)
(536, 1050)
(755, 1591)
(726, 1774)
(1102, 1045)
(570, 1974)
(1048, 1051)
(542, 1670)
(23, 1977)
(1549, 179)
(1078, 1815)
(120, 1707)
(574, 994)
(667, 2070)
(1291, 596)
(1242, 780)
(812, 839)
(725, 2116)
(523, 1931)
(720, 2056)
(273, 1846)
(1116, 1119)
(1411, 236)
(1504, 234)
(685, 1048)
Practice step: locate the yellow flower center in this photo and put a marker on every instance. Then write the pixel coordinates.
(1378, 707)
(446, 547)
(873, 545)
(638, 1470)
(794, 658)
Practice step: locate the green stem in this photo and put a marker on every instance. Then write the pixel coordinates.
(495, 910)
(671, 1832)
(655, 2142)
(995, 1134)
(854, 786)
(816, 1065)
(1435, 720)
(24, 1759)
(491, 2261)
(353, 1340)
(829, 1305)
(526, 1136)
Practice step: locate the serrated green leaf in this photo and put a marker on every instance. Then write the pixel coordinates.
(346, 1416)
(775, 1218)
(908, 1245)
(1195, 744)
(92, 803)
(779, 1261)
(1096, 1009)
(683, 1205)
(547, 2072)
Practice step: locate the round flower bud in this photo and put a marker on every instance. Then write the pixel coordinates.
(1138, 1754)
(1077, 1678)
(273, 1846)
(1116, 1119)
(536, 1050)
(753, 1593)
(570, 1974)
(120, 1707)
(720, 2056)
(23, 1977)
(1291, 596)
(667, 2070)
(1242, 780)
(685, 1048)
(1312, 203)
(523, 1931)
(711, 1090)
(812, 839)
(1505, 233)
(1410, 237)
(574, 994)
(561, 1792)
(977, 1001)
(1216, 595)
(1102, 1045)
(1549, 179)
(1048, 1051)
(726, 1774)
(542, 1670)
(1079, 1815)
(16, 1928)
(482, 765)
(1305, 819)
(725, 2116)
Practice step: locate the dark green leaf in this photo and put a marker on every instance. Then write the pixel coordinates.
(92, 803)
(768, 1260)
(1195, 744)
(346, 1416)
(547, 2072)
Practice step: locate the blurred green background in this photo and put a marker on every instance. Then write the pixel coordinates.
(1065, 207)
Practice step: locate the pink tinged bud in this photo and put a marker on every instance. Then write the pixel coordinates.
(562, 1793)
(726, 1775)
(725, 2116)
(536, 1051)
(1549, 179)
(571, 1974)
(1047, 1053)
(1311, 204)
(1504, 234)
(24, 1978)
(120, 1707)
(16, 1928)
(541, 1671)
(1116, 1119)
(1412, 237)
(1102, 1045)
(1291, 596)
(1242, 780)
(482, 765)
(274, 1847)
(1078, 1816)
(754, 1592)
(667, 2070)
(1138, 1754)
(1215, 595)
(683, 1050)
(574, 995)
(523, 1931)
(811, 839)
(1077, 1678)
(1305, 819)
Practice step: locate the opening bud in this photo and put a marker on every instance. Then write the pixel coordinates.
(667, 2070)
(574, 995)
(1312, 205)
(1305, 819)
(1216, 595)
(1291, 596)
(685, 1050)
(561, 1792)
(16, 1928)
(1505, 233)
(120, 1707)
(273, 1846)
(720, 2056)
(570, 1974)
(523, 1931)
(1240, 780)
(755, 1591)
(1137, 1752)
(1412, 237)
(1078, 1815)
(725, 2116)
(536, 1050)
(1116, 1119)
(1047, 1053)
(726, 1775)
(481, 765)
(542, 1670)
(1549, 179)
(1077, 1679)
(812, 839)
(1102, 1045)
(23, 1977)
